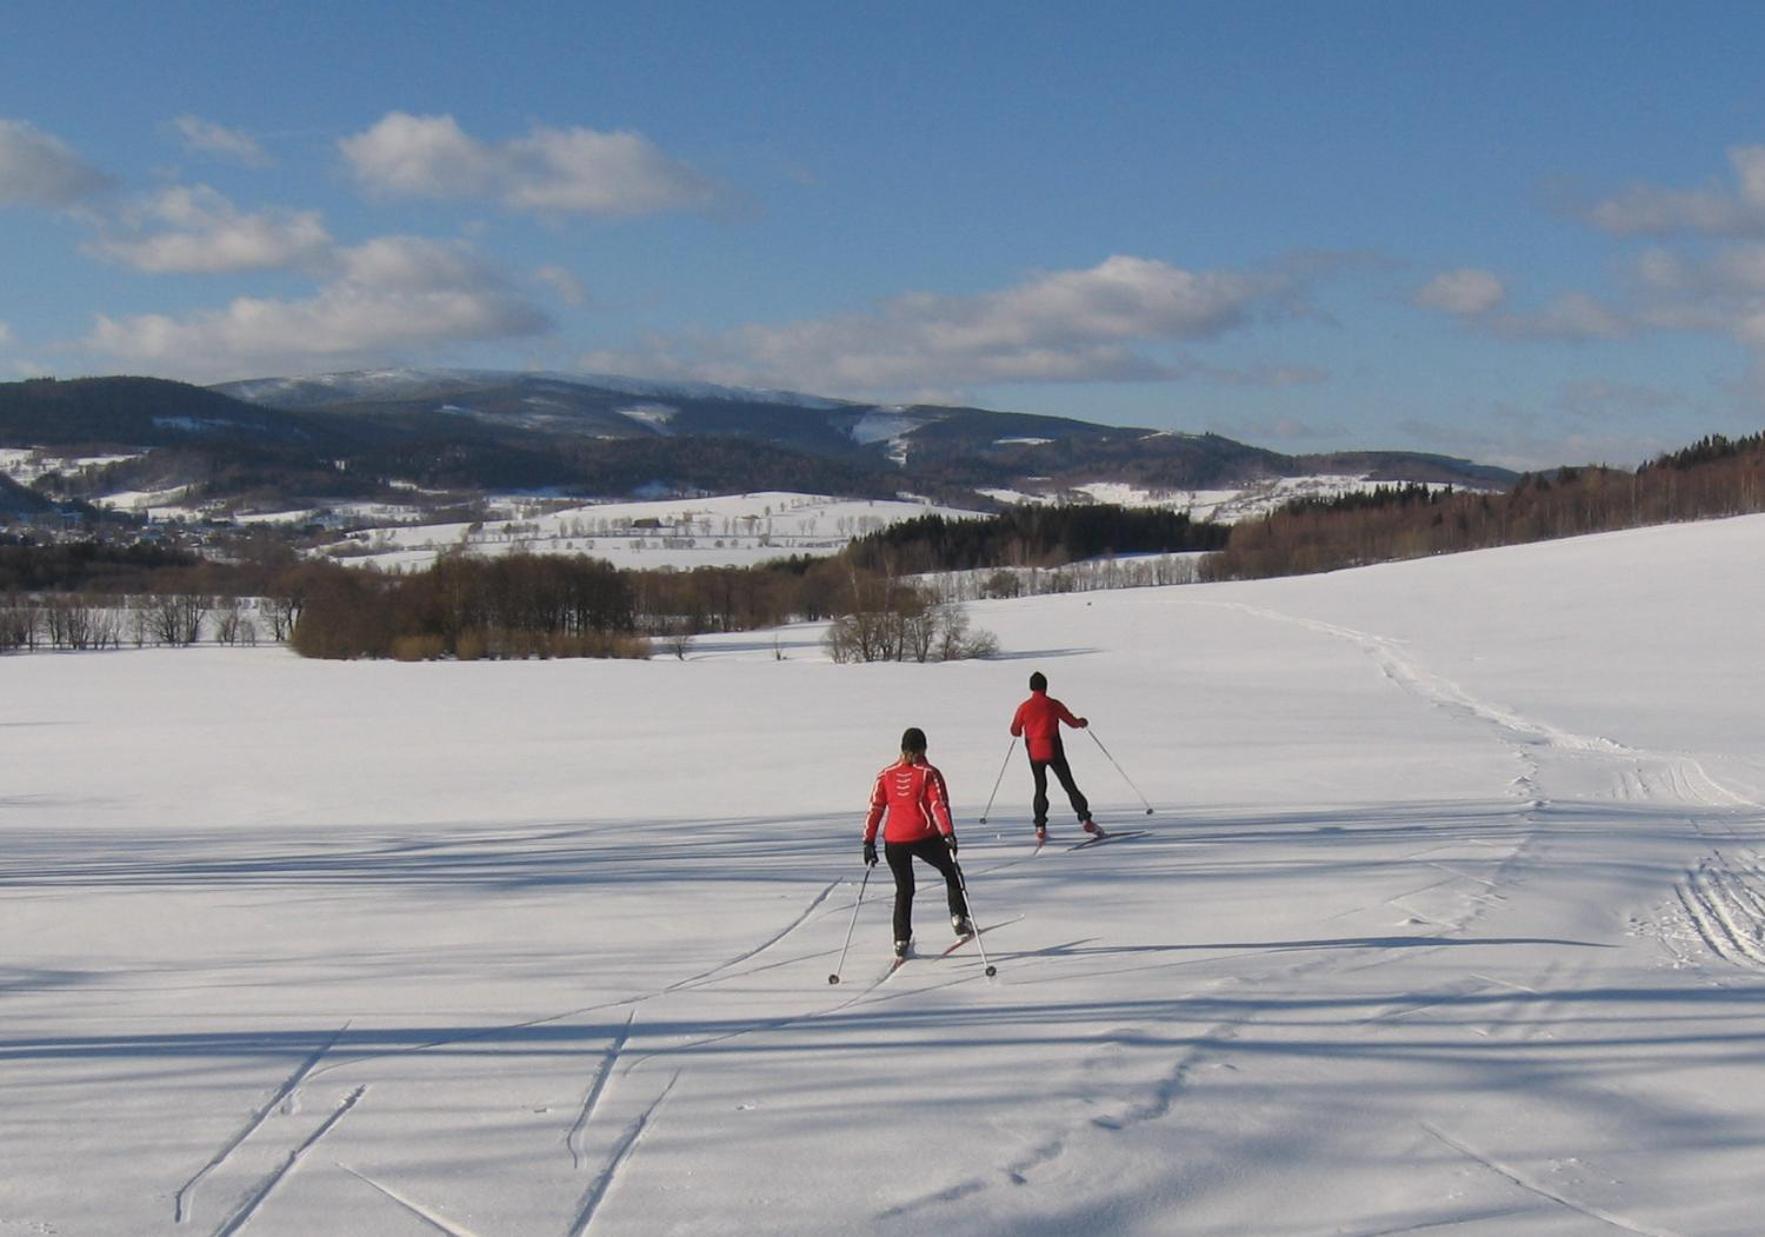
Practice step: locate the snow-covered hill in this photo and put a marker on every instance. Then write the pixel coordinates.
(1450, 917)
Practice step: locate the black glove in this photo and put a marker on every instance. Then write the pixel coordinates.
(870, 854)
(950, 841)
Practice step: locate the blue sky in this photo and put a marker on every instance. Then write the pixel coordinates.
(1528, 234)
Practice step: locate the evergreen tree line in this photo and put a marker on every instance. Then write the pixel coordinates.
(1713, 478)
(1030, 536)
(86, 566)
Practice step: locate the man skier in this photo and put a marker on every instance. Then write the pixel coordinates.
(1038, 721)
(913, 795)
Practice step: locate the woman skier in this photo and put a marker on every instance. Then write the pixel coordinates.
(912, 794)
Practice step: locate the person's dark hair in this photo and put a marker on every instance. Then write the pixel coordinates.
(913, 740)
(1038, 682)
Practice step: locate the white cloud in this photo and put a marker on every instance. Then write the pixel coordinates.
(564, 171)
(206, 137)
(569, 288)
(1572, 317)
(1717, 293)
(1064, 326)
(1653, 210)
(1465, 292)
(420, 156)
(389, 296)
(1734, 270)
(5, 335)
(196, 230)
(1475, 296)
(39, 169)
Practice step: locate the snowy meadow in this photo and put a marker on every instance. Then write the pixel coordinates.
(1450, 916)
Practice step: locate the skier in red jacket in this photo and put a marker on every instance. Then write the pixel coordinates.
(912, 794)
(1038, 721)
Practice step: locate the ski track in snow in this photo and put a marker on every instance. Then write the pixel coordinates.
(1725, 902)
(694, 981)
(293, 1083)
(1719, 903)
(1730, 912)
(290, 1085)
(1407, 673)
(423, 1213)
(1157, 1101)
(265, 1188)
(1725, 910)
(608, 1060)
(627, 1147)
(1522, 1180)
(1154, 1103)
(740, 958)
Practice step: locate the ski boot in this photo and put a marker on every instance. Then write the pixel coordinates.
(1041, 834)
(962, 926)
(901, 948)
(1090, 826)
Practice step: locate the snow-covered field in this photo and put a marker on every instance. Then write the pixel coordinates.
(1448, 920)
(727, 530)
(27, 464)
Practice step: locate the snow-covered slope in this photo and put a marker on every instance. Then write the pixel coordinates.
(1449, 918)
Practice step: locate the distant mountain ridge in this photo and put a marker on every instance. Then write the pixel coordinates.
(308, 438)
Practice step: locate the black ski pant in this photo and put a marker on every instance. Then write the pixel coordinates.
(935, 852)
(1063, 771)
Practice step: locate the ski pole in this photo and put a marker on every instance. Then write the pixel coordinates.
(969, 907)
(1118, 768)
(1002, 767)
(835, 977)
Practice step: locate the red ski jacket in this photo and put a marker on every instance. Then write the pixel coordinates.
(1038, 721)
(916, 800)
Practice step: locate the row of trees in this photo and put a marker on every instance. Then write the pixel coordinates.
(892, 619)
(81, 621)
(1031, 536)
(522, 605)
(518, 605)
(1716, 477)
(1096, 575)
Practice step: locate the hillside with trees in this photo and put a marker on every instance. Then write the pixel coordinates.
(289, 443)
(1712, 478)
(1031, 535)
